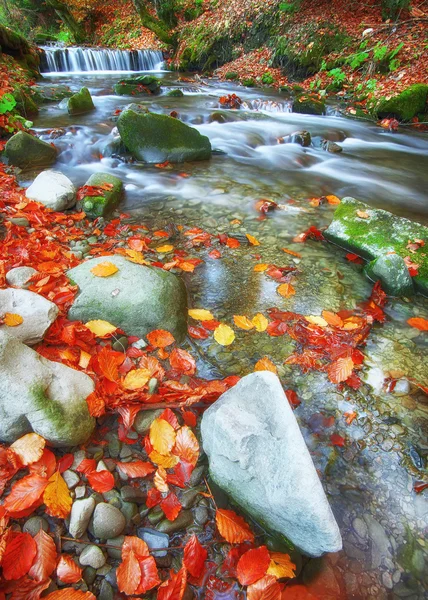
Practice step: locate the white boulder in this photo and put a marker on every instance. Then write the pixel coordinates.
(53, 189)
(19, 276)
(37, 313)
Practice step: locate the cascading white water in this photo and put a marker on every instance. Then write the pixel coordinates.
(78, 60)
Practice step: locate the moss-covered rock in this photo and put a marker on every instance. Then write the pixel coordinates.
(24, 150)
(371, 233)
(157, 138)
(406, 105)
(137, 298)
(25, 103)
(44, 94)
(392, 272)
(81, 102)
(175, 93)
(143, 85)
(308, 105)
(102, 205)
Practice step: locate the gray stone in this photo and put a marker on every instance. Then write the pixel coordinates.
(81, 512)
(24, 150)
(154, 539)
(303, 138)
(37, 312)
(258, 456)
(71, 479)
(34, 524)
(92, 556)
(53, 189)
(201, 515)
(106, 591)
(393, 274)
(137, 298)
(80, 103)
(108, 521)
(184, 519)
(19, 276)
(116, 541)
(133, 494)
(144, 419)
(43, 396)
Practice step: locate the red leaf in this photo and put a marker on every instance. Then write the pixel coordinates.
(337, 440)
(149, 575)
(174, 588)
(182, 361)
(195, 556)
(232, 527)
(28, 589)
(18, 556)
(70, 594)
(67, 570)
(45, 562)
(418, 323)
(87, 466)
(154, 498)
(137, 545)
(266, 588)
(198, 333)
(137, 468)
(253, 565)
(109, 361)
(170, 417)
(160, 338)
(46, 465)
(189, 418)
(129, 574)
(101, 481)
(25, 493)
(171, 506)
(65, 462)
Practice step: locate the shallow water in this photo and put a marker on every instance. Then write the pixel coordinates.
(370, 480)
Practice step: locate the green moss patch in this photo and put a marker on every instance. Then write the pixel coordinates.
(406, 105)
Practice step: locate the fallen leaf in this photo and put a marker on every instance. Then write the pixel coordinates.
(286, 290)
(260, 322)
(70, 594)
(167, 462)
(25, 493)
(12, 319)
(129, 574)
(182, 361)
(174, 587)
(266, 588)
(232, 527)
(18, 556)
(281, 566)
(252, 565)
(315, 320)
(45, 561)
(104, 269)
(101, 481)
(332, 319)
(333, 199)
(159, 338)
(57, 497)
(200, 314)
(224, 335)
(164, 249)
(195, 556)
(261, 267)
(162, 436)
(292, 253)
(100, 328)
(29, 448)
(340, 370)
(243, 322)
(363, 214)
(136, 379)
(186, 445)
(160, 481)
(171, 506)
(137, 468)
(265, 364)
(418, 323)
(253, 241)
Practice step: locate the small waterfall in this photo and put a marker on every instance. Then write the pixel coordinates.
(78, 60)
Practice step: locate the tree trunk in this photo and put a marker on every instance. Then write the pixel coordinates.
(68, 19)
(152, 23)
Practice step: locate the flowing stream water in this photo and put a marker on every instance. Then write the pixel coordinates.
(369, 481)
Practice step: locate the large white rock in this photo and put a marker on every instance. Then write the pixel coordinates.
(40, 395)
(38, 314)
(19, 276)
(53, 189)
(257, 454)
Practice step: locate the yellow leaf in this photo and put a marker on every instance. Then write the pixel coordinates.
(224, 335)
(104, 269)
(261, 267)
(260, 322)
(200, 314)
(165, 248)
(29, 448)
(160, 480)
(363, 214)
(136, 379)
(333, 199)
(281, 566)
(85, 357)
(253, 241)
(57, 497)
(12, 319)
(243, 322)
(100, 328)
(317, 320)
(265, 364)
(167, 462)
(162, 436)
(286, 290)
(136, 256)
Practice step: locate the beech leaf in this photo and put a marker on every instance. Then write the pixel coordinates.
(260, 322)
(70, 594)
(45, 562)
(224, 335)
(195, 556)
(25, 492)
(128, 574)
(29, 448)
(18, 557)
(186, 445)
(101, 481)
(243, 322)
(340, 369)
(67, 570)
(160, 338)
(253, 565)
(266, 588)
(162, 436)
(200, 314)
(12, 319)
(265, 364)
(280, 566)
(100, 328)
(173, 588)
(232, 527)
(104, 269)
(137, 468)
(57, 497)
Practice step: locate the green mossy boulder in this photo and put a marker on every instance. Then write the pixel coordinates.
(43, 94)
(137, 298)
(155, 138)
(143, 85)
(100, 206)
(175, 93)
(24, 150)
(307, 105)
(392, 272)
(80, 103)
(378, 234)
(25, 104)
(406, 105)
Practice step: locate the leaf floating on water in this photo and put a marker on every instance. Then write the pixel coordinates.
(265, 364)
(232, 527)
(12, 319)
(253, 241)
(100, 328)
(224, 335)
(260, 322)
(316, 320)
(292, 253)
(164, 249)
(340, 370)
(333, 199)
(261, 267)
(200, 314)
(29, 448)
(418, 323)
(286, 290)
(243, 322)
(332, 319)
(57, 497)
(337, 440)
(104, 269)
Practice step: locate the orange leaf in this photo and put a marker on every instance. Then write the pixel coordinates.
(136, 379)
(109, 361)
(265, 364)
(266, 588)
(149, 575)
(104, 269)
(252, 565)
(70, 594)
(101, 481)
(159, 338)
(24, 493)
(286, 290)
(160, 480)
(18, 557)
(162, 436)
(232, 527)
(67, 570)
(28, 589)
(243, 322)
(333, 199)
(292, 253)
(195, 556)
(45, 561)
(12, 319)
(137, 468)
(332, 319)
(418, 323)
(253, 241)
(182, 361)
(57, 497)
(259, 268)
(363, 214)
(173, 588)
(29, 448)
(167, 462)
(281, 566)
(186, 445)
(129, 574)
(171, 506)
(340, 370)
(137, 545)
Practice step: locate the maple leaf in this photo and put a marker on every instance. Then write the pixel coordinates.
(253, 565)
(104, 269)
(232, 527)
(101, 481)
(25, 493)
(136, 379)
(159, 338)
(280, 566)
(195, 556)
(243, 322)
(266, 588)
(45, 561)
(18, 557)
(67, 570)
(200, 314)
(171, 506)
(340, 369)
(57, 497)
(174, 588)
(265, 364)
(137, 468)
(129, 574)
(186, 445)
(162, 436)
(418, 323)
(12, 320)
(224, 335)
